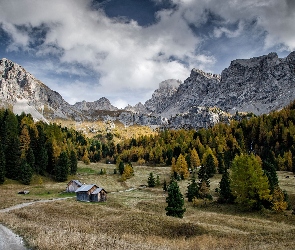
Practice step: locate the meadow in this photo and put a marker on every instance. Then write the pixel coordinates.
(134, 216)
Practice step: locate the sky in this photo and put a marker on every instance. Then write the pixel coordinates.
(123, 49)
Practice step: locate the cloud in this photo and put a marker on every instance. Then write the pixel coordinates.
(114, 57)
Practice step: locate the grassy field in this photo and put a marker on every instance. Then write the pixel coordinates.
(134, 217)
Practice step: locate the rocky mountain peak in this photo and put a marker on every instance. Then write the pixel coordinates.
(101, 104)
(197, 73)
(161, 96)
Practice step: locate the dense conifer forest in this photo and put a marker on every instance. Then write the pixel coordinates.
(29, 147)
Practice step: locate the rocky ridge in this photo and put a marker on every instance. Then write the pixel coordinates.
(258, 85)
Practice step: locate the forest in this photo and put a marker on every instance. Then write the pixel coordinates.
(266, 142)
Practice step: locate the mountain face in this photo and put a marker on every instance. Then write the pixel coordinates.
(258, 85)
(102, 104)
(25, 93)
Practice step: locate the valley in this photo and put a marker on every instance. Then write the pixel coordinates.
(65, 223)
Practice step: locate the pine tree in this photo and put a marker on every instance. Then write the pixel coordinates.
(203, 176)
(121, 167)
(175, 201)
(73, 162)
(31, 158)
(192, 190)
(12, 158)
(151, 180)
(62, 167)
(2, 165)
(26, 172)
(41, 161)
(210, 166)
(225, 194)
(271, 174)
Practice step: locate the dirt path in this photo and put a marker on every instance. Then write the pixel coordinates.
(8, 239)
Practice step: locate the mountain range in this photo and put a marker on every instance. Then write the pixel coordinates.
(258, 85)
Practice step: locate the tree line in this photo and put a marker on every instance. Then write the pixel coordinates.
(28, 147)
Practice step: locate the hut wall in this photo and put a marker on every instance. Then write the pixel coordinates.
(72, 187)
(82, 196)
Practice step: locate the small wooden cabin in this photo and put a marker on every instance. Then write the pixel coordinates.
(91, 193)
(73, 185)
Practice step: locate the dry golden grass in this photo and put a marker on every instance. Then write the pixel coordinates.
(136, 219)
(120, 132)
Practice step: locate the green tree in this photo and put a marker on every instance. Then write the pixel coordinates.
(192, 190)
(2, 165)
(62, 167)
(41, 162)
(271, 174)
(26, 172)
(151, 180)
(73, 162)
(225, 193)
(248, 183)
(175, 201)
(210, 166)
(31, 158)
(121, 167)
(12, 158)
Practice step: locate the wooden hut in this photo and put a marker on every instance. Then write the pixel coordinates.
(98, 194)
(91, 193)
(73, 185)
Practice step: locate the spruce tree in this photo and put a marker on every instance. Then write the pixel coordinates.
(12, 158)
(2, 165)
(225, 194)
(73, 162)
(203, 176)
(62, 167)
(270, 171)
(210, 166)
(31, 158)
(121, 167)
(192, 190)
(151, 180)
(175, 201)
(41, 160)
(26, 172)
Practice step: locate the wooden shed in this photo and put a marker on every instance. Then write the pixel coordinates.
(91, 193)
(73, 185)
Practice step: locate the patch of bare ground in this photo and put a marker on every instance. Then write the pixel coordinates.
(136, 219)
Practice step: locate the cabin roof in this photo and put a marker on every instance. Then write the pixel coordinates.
(85, 188)
(77, 182)
(96, 191)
